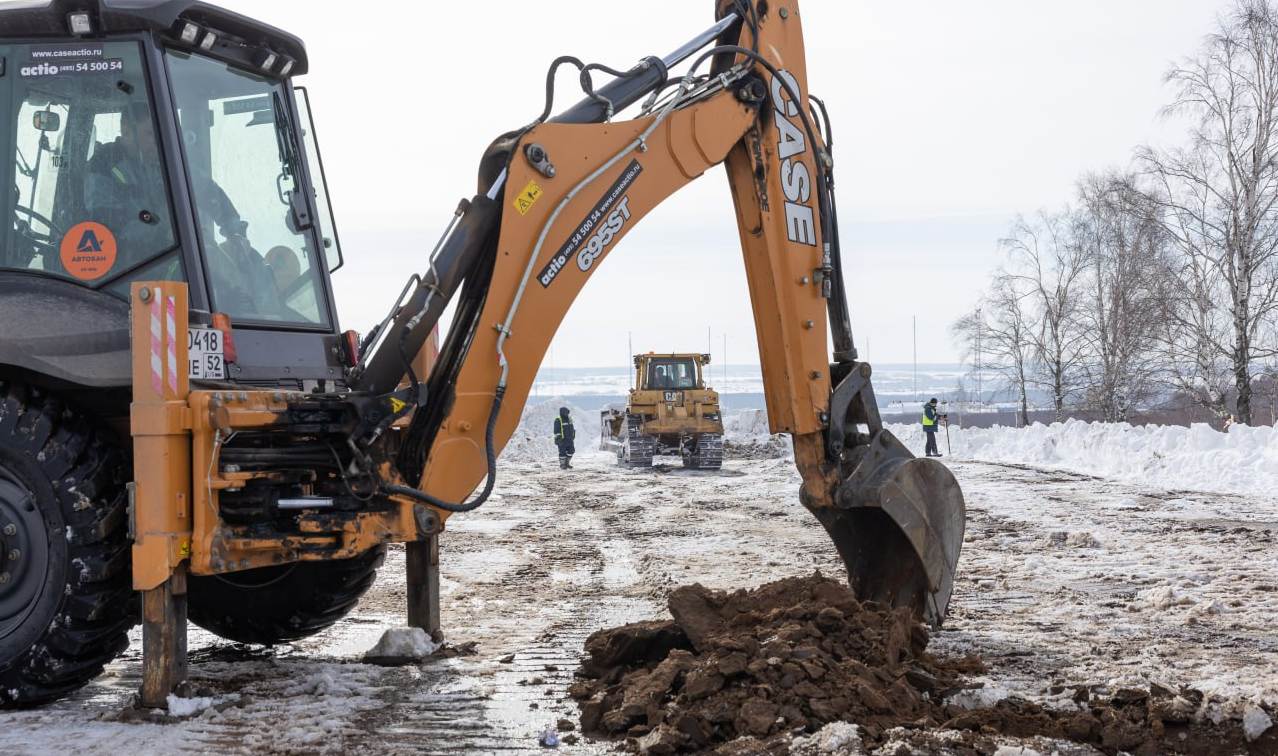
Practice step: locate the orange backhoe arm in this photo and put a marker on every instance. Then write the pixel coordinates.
(557, 231)
(568, 192)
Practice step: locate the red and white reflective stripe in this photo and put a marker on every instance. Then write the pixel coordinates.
(170, 323)
(157, 361)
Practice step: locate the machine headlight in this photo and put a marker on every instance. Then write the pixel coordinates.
(80, 23)
(190, 33)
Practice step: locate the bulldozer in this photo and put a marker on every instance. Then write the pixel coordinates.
(671, 412)
(188, 435)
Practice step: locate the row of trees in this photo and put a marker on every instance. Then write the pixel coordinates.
(1163, 277)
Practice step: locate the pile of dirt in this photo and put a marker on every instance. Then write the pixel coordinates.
(788, 656)
(746, 671)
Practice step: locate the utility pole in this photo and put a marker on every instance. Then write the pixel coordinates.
(725, 362)
(916, 356)
(630, 357)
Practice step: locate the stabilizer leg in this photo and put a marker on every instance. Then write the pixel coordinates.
(164, 666)
(423, 585)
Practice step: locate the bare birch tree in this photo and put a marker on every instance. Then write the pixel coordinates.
(1124, 248)
(1047, 265)
(1218, 197)
(1003, 324)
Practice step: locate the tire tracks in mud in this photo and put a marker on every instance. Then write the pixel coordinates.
(571, 570)
(1087, 580)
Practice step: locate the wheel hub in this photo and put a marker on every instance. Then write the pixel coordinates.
(24, 552)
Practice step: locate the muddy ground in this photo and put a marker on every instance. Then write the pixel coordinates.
(1066, 583)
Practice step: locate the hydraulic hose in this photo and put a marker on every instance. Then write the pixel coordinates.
(491, 480)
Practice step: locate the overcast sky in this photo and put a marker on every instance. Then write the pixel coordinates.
(950, 119)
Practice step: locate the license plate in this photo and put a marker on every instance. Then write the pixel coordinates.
(205, 351)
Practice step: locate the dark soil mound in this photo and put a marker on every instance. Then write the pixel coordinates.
(794, 655)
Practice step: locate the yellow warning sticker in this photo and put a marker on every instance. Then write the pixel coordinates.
(397, 405)
(527, 198)
(184, 550)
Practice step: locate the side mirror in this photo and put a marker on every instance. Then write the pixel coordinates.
(46, 120)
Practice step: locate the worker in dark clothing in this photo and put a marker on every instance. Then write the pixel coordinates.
(565, 434)
(931, 420)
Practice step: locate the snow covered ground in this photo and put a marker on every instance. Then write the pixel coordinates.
(1067, 580)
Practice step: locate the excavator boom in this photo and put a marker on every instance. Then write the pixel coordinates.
(564, 191)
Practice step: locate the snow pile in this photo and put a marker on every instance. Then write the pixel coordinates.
(834, 738)
(746, 425)
(189, 707)
(1162, 598)
(985, 696)
(533, 440)
(1255, 723)
(1244, 460)
(401, 645)
(746, 435)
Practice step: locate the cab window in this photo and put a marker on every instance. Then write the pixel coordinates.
(242, 161)
(85, 193)
(672, 374)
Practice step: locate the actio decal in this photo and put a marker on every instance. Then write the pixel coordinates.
(598, 230)
(792, 146)
(527, 198)
(63, 60)
(88, 251)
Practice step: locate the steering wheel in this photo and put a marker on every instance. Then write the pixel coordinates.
(44, 241)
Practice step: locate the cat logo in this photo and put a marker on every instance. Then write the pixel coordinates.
(527, 198)
(88, 251)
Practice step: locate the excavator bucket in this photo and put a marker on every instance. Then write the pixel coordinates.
(898, 523)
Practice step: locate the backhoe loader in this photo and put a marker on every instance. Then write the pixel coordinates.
(186, 433)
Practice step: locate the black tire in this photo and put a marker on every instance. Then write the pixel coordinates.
(274, 605)
(67, 604)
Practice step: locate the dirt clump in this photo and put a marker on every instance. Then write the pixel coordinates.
(748, 671)
(789, 656)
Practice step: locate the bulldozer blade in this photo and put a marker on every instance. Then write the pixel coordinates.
(898, 524)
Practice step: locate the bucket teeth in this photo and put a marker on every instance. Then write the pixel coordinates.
(898, 523)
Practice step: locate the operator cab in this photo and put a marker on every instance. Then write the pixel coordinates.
(160, 140)
(679, 372)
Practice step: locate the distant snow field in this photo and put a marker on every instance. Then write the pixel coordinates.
(1242, 461)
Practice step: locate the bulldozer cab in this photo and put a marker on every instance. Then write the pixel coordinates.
(673, 372)
(160, 141)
